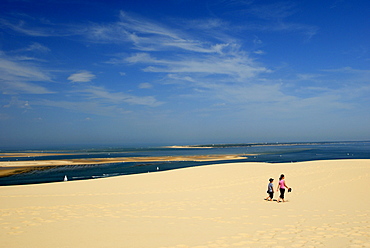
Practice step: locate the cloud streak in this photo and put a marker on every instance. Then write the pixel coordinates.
(98, 101)
(86, 107)
(101, 94)
(238, 66)
(81, 77)
(18, 76)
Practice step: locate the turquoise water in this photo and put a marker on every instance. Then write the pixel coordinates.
(279, 153)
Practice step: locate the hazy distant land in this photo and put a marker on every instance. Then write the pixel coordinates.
(262, 144)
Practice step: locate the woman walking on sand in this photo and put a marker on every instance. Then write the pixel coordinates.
(282, 186)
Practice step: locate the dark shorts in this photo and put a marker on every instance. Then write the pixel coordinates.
(282, 192)
(271, 194)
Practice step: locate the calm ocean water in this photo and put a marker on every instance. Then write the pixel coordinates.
(264, 153)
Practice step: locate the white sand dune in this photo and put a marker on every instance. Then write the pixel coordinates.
(208, 206)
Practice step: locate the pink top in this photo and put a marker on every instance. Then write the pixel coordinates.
(282, 184)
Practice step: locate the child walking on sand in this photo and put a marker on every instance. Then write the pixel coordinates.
(270, 190)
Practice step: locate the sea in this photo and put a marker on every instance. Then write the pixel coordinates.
(256, 152)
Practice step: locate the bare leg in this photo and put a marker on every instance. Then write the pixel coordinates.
(268, 198)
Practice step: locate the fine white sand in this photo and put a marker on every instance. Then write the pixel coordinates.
(208, 206)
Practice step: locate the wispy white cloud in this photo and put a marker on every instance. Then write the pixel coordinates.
(106, 33)
(98, 100)
(21, 27)
(238, 66)
(259, 52)
(142, 25)
(102, 94)
(15, 102)
(11, 69)
(37, 47)
(177, 78)
(144, 34)
(253, 93)
(145, 86)
(88, 107)
(307, 76)
(147, 35)
(27, 58)
(30, 26)
(136, 58)
(267, 17)
(33, 47)
(19, 76)
(213, 57)
(81, 77)
(19, 87)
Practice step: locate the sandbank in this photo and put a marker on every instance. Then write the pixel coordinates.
(208, 206)
(13, 167)
(31, 154)
(187, 147)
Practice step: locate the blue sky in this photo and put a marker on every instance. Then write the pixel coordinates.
(168, 72)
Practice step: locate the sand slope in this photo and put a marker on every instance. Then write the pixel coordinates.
(208, 206)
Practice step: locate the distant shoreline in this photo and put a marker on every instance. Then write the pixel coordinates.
(120, 149)
(189, 146)
(265, 144)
